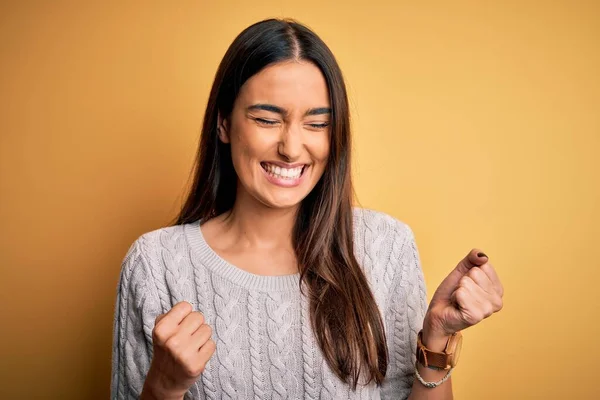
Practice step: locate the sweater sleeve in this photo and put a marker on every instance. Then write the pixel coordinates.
(406, 308)
(132, 347)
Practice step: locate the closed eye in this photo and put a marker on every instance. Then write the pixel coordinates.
(266, 121)
(319, 126)
(270, 122)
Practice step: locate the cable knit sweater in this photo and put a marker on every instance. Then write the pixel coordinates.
(265, 345)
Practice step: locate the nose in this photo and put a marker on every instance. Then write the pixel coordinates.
(291, 143)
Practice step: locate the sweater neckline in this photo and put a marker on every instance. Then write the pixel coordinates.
(224, 268)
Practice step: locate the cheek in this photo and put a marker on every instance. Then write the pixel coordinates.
(239, 151)
(320, 150)
(243, 144)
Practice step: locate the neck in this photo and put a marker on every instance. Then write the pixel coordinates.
(256, 225)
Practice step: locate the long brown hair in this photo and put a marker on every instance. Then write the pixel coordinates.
(344, 316)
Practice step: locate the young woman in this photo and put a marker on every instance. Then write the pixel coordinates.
(270, 285)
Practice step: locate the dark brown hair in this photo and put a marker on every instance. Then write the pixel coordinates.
(344, 316)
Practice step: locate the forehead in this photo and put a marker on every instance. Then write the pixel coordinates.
(294, 85)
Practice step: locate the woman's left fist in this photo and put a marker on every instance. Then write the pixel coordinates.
(471, 293)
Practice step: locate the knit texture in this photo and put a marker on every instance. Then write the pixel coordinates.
(265, 345)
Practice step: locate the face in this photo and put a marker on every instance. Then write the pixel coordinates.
(279, 133)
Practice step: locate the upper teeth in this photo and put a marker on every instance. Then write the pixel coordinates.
(290, 173)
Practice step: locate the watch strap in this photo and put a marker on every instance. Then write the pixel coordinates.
(432, 359)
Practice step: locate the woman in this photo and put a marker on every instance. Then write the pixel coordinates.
(269, 284)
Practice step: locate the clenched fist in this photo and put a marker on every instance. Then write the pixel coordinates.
(182, 347)
(471, 293)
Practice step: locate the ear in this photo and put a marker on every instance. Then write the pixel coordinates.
(222, 129)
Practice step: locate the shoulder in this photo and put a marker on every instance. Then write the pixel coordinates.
(154, 241)
(385, 248)
(378, 226)
(148, 248)
(155, 266)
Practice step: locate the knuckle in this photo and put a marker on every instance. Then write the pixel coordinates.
(488, 311)
(498, 304)
(210, 346)
(489, 270)
(193, 369)
(479, 316)
(185, 306)
(160, 336)
(193, 366)
(487, 267)
(205, 330)
(475, 273)
(199, 317)
(173, 343)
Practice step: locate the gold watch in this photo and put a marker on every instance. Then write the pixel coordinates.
(444, 360)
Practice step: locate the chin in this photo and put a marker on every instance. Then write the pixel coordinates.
(279, 198)
(282, 202)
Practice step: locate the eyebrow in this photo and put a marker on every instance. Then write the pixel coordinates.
(284, 112)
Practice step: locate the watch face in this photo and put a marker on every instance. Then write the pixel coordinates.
(456, 353)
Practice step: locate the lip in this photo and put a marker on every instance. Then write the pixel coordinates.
(284, 165)
(286, 183)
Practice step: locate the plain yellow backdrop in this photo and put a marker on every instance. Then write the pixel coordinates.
(475, 122)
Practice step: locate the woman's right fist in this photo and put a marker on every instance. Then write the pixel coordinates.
(182, 347)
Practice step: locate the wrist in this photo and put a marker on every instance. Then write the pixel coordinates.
(154, 390)
(434, 339)
(435, 342)
(149, 393)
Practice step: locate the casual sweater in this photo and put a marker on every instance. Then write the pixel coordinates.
(266, 348)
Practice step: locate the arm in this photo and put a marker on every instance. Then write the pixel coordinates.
(154, 356)
(442, 392)
(131, 351)
(470, 293)
(405, 314)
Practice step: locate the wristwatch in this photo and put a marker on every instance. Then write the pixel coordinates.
(444, 360)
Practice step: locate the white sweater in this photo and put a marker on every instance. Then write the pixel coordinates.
(265, 346)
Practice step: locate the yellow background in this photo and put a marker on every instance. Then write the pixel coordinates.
(478, 123)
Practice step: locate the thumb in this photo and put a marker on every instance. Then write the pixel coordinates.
(474, 258)
(158, 318)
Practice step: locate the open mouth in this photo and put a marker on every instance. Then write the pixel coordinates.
(280, 172)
